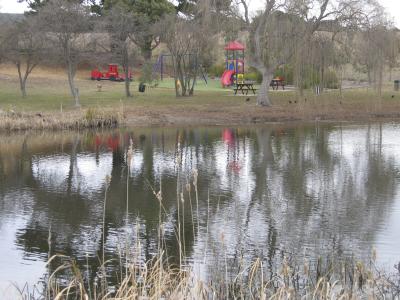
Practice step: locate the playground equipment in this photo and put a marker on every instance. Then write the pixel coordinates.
(112, 74)
(234, 70)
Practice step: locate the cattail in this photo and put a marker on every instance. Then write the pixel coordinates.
(195, 175)
(130, 152)
(182, 198)
(374, 254)
(108, 181)
(159, 196)
(306, 269)
(285, 268)
(222, 237)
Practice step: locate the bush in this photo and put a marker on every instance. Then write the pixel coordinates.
(312, 78)
(216, 70)
(147, 75)
(285, 71)
(253, 76)
(331, 80)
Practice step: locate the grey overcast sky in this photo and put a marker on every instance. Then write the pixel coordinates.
(392, 6)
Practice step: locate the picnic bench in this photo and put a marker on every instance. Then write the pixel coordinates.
(277, 82)
(245, 87)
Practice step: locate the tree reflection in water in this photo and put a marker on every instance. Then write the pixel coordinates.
(269, 192)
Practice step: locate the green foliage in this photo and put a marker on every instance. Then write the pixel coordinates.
(151, 11)
(90, 114)
(253, 74)
(147, 75)
(312, 77)
(36, 5)
(286, 72)
(145, 14)
(216, 70)
(331, 80)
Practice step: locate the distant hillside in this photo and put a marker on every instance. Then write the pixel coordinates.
(8, 18)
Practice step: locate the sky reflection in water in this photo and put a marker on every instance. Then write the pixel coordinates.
(274, 191)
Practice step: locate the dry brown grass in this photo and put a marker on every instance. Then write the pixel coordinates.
(81, 119)
(156, 279)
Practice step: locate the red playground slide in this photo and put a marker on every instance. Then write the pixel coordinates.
(226, 79)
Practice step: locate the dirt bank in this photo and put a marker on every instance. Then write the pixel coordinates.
(253, 114)
(190, 115)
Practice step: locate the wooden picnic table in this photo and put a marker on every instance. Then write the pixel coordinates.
(245, 87)
(276, 82)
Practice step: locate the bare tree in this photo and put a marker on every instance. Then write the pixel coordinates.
(268, 38)
(24, 46)
(178, 34)
(66, 23)
(374, 45)
(188, 41)
(393, 50)
(120, 25)
(285, 31)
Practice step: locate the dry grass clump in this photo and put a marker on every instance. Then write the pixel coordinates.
(157, 279)
(74, 120)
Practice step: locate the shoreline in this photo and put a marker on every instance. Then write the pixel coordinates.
(164, 117)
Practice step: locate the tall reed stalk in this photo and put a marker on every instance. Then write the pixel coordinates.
(157, 278)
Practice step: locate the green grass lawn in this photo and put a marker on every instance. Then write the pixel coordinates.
(52, 92)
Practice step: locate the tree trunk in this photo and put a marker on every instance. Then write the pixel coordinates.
(322, 83)
(380, 80)
(258, 63)
(23, 88)
(195, 72)
(70, 71)
(73, 89)
(146, 49)
(127, 85)
(369, 76)
(181, 76)
(22, 80)
(126, 70)
(174, 63)
(263, 96)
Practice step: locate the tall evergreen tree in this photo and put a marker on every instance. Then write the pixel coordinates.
(146, 13)
(36, 5)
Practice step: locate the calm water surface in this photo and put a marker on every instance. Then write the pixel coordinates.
(301, 191)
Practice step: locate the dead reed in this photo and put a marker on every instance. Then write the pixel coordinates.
(73, 120)
(159, 278)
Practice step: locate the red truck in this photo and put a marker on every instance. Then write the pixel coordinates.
(112, 74)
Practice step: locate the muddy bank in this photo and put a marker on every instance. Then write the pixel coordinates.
(143, 116)
(253, 115)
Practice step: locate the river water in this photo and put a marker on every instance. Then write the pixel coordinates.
(299, 191)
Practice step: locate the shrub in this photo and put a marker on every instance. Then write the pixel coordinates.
(331, 80)
(285, 71)
(253, 76)
(312, 77)
(216, 70)
(147, 74)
